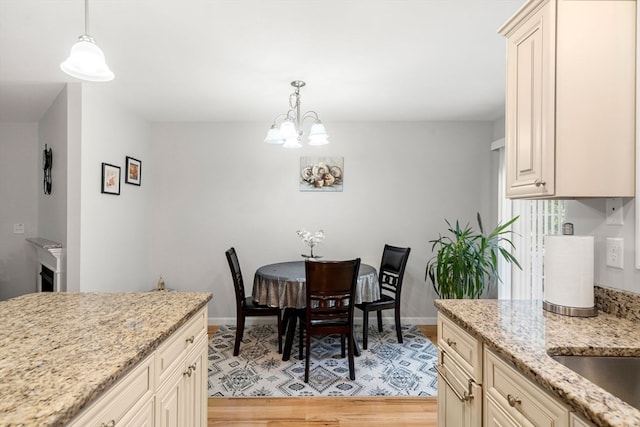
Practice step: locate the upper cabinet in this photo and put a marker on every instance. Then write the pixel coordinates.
(570, 105)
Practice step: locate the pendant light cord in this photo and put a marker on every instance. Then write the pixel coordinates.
(86, 17)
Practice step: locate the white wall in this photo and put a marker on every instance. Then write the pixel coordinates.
(217, 186)
(114, 230)
(18, 204)
(589, 218)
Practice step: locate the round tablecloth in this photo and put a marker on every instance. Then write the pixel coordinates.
(283, 285)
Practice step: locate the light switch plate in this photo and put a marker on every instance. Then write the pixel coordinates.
(18, 228)
(614, 211)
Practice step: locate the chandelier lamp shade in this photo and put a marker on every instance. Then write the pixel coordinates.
(86, 61)
(286, 129)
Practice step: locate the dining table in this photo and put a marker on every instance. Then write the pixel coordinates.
(283, 285)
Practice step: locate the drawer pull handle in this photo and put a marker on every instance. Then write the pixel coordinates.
(466, 396)
(513, 401)
(451, 343)
(191, 369)
(190, 339)
(539, 182)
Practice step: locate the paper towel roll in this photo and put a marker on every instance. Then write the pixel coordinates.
(568, 271)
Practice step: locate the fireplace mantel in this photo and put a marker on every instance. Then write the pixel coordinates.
(50, 255)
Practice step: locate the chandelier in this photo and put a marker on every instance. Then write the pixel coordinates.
(289, 131)
(86, 61)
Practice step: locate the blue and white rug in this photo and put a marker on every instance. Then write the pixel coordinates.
(386, 368)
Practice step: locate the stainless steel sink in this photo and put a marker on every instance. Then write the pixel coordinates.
(619, 376)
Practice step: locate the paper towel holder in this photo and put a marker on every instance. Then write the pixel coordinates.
(568, 272)
(570, 311)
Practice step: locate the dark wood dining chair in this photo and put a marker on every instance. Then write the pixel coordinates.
(245, 305)
(390, 275)
(329, 305)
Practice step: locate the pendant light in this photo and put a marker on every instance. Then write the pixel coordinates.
(86, 61)
(289, 133)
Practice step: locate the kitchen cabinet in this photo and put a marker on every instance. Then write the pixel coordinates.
(477, 387)
(459, 372)
(570, 99)
(181, 400)
(168, 388)
(181, 363)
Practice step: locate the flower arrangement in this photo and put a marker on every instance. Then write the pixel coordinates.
(311, 239)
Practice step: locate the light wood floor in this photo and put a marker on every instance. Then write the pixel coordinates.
(327, 412)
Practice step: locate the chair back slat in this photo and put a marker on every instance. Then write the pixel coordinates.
(236, 274)
(392, 267)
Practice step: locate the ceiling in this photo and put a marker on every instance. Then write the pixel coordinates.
(233, 60)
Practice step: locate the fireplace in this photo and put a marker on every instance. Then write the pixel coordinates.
(49, 265)
(46, 279)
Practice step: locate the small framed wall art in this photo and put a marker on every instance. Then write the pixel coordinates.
(321, 173)
(133, 173)
(110, 179)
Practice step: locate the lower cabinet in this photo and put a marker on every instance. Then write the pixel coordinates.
(182, 399)
(476, 387)
(459, 373)
(168, 388)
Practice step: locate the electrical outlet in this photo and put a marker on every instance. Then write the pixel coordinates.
(18, 228)
(614, 211)
(615, 252)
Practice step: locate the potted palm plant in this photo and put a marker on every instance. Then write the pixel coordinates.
(467, 260)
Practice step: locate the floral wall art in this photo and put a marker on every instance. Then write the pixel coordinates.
(321, 173)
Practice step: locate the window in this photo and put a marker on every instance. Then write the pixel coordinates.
(537, 218)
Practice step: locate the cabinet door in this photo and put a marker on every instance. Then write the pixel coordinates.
(196, 383)
(530, 106)
(169, 401)
(454, 408)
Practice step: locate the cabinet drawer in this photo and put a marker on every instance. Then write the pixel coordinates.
(577, 421)
(130, 393)
(523, 400)
(142, 418)
(466, 349)
(170, 352)
(496, 417)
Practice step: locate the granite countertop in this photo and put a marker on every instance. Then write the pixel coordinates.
(522, 332)
(60, 351)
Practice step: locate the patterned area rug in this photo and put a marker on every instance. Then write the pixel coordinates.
(386, 368)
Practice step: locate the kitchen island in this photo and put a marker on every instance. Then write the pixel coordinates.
(525, 336)
(59, 352)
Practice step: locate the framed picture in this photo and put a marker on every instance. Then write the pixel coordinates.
(133, 173)
(110, 179)
(321, 173)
